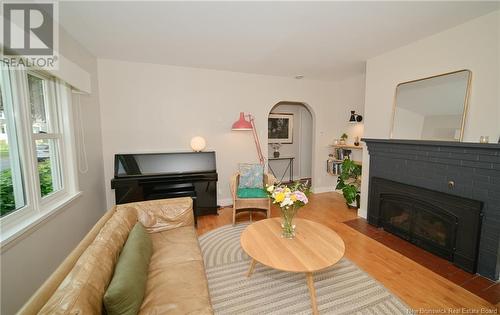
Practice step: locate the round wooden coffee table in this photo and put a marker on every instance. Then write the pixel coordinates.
(315, 247)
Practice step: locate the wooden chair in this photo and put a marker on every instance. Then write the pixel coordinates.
(250, 204)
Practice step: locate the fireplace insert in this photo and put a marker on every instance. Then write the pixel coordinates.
(446, 225)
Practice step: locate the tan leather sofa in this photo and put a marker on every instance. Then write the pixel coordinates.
(176, 282)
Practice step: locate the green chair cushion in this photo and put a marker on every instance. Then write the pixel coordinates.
(251, 193)
(128, 285)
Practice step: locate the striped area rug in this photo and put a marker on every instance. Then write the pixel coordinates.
(341, 289)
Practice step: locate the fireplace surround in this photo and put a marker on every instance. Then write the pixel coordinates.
(465, 174)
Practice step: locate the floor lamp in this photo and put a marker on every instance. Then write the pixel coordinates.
(243, 124)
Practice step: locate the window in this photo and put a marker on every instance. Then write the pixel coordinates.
(36, 168)
(46, 134)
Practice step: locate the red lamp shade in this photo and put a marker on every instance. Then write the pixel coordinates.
(242, 123)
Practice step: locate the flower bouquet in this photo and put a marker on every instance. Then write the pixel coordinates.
(290, 199)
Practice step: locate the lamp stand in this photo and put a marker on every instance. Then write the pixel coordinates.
(256, 139)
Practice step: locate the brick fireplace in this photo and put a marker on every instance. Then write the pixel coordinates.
(441, 196)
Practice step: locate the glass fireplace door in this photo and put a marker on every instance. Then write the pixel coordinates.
(423, 224)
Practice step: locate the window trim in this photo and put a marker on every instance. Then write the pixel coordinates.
(38, 208)
(17, 163)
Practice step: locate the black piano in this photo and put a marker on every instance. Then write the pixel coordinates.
(140, 177)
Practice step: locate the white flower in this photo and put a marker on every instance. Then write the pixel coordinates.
(286, 202)
(270, 188)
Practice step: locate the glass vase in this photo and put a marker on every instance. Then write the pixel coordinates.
(287, 226)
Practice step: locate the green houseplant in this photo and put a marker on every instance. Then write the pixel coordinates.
(343, 138)
(349, 181)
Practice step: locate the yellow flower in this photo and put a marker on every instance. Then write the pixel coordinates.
(279, 197)
(270, 188)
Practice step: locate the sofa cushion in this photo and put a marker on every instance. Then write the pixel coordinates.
(251, 193)
(177, 282)
(181, 288)
(82, 290)
(164, 214)
(175, 246)
(251, 176)
(126, 290)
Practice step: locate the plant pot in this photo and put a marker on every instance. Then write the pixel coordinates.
(276, 154)
(342, 142)
(355, 204)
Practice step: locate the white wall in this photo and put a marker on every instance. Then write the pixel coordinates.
(158, 108)
(352, 95)
(31, 259)
(473, 45)
(300, 148)
(306, 140)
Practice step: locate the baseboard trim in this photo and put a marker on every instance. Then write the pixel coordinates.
(319, 190)
(225, 202)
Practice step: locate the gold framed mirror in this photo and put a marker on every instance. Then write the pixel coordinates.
(432, 108)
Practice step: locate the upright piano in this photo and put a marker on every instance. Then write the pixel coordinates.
(140, 177)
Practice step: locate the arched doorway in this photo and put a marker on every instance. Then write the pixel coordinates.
(290, 141)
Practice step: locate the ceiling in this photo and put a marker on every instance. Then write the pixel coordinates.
(320, 40)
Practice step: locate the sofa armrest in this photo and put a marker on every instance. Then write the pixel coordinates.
(163, 214)
(45, 292)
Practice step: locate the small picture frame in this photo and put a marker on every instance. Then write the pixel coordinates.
(280, 128)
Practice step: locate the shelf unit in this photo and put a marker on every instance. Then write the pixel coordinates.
(350, 147)
(355, 162)
(346, 146)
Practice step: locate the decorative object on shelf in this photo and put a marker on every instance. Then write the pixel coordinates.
(336, 142)
(343, 139)
(276, 147)
(289, 198)
(198, 144)
(243, 125)
(342, 154)
(356, 141)
(484, 139)
(280, 128)
(355, 118)
(333, 165)
(349, 181)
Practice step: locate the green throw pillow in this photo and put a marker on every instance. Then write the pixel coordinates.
(251, 193)
(126, 290)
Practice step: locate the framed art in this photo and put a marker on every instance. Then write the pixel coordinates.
(280, 128)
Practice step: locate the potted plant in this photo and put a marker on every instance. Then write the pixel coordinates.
(349, 181)
(343, 138)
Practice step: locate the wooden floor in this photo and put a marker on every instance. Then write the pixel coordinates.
(422, 289)
(478, 285)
